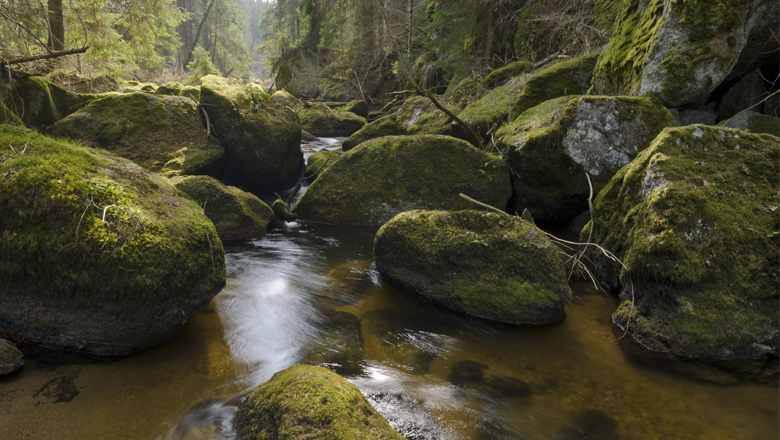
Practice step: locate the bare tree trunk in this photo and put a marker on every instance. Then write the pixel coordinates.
(489, 49)
(200, 28)
(185, 32)
(411, 24)
(56, 25)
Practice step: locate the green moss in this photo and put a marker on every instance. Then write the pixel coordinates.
(39, 103)
(358, 107)
(171, 88)
(466, 92)
(693, 219)
(321, 161)
(498, 267)
(606, 14)
(97, 256)
(511, 70)
(191, 92)
(163, 134)
(305, 402)
(382, 177)
(8, 117)
(492, 108)
(320, 120)
(261, 137)
(236, 214)
(552, 145)
(285, 98)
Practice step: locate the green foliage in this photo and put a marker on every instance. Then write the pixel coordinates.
(200, 66)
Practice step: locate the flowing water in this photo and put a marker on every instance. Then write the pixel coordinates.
(309, 293)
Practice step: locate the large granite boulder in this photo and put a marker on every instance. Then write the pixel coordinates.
(11, 359)
(98, 257)
(306, 402)
(554, 144)
(372, 183)
(236, 214)
(677, 51)
(694, 218)
(484, 264)
(321, 161)
(261, 137)
(163, 134)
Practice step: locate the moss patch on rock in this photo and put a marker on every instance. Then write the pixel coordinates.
(191, 92)
(694, 219)
(511, 70)
(262, 138)
(306, 402)
(320, 120)
(286, 98)
(484, 264)
(171, 88)
(383, 177)
(7, 116)
(553, 145)
(321, 161)
(98, 257)
(236, 214)
(163, 134)
(466, 92)
(38, 102)
(674, 50)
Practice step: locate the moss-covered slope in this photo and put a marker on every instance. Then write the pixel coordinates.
(383, 177)
(483, 264)
(553, 145)
(98, 257)
(163, 134)
(308, 403)
(678, 51)
(694, 219)
(236, 214)
(261, 137)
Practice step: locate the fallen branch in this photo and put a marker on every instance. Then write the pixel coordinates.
(45, 56)
(208, 123)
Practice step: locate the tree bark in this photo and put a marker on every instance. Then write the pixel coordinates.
(197, 34)
(56, 26)
(411, 27)
(489, 49)
(45, 56)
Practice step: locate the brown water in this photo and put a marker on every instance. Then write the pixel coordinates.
(565, 381)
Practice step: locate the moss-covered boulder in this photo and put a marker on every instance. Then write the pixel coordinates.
(678, 51)
(484, 264)
(7, 116)
(11, 358)
(191, 92)
(372, 183)
(262, 138)
(98, 257)
(417, 115)
(163, 134)
(39, 103)
(236, 214)
(286, 98)
(505, 103)
(754, 123)
(320, 120)
(170, 88)
(504, 74)
(306, 402)
(466, 92)
(358, 107)
(282, 211)
(553, 145)
(321, 161)
(297, 74)
(694, 219)
(78, 83)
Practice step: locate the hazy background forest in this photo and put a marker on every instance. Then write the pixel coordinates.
(361, 40)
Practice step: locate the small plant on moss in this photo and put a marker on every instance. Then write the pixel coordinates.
(200, 66)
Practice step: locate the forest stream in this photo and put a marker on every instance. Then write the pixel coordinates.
(432, 373)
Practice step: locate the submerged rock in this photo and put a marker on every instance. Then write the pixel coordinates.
(339, 344)
(236, 214)
(38, 102)
(163, 134)
(10, 358)
(383, 177)
(99, 257)
(417, 115)
(321, 161)
(677, 51)
(262, 138)
(305, 402)
(694, 219)
(570, 77)
(554, 144)
(484, 264)
(320, 120)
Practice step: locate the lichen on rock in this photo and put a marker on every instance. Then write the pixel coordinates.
(163, 134)
(306, 402)
(98, 257)
(694, 219)
(383, 177)
(484, 264)
(236, 214)
(553, 145)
